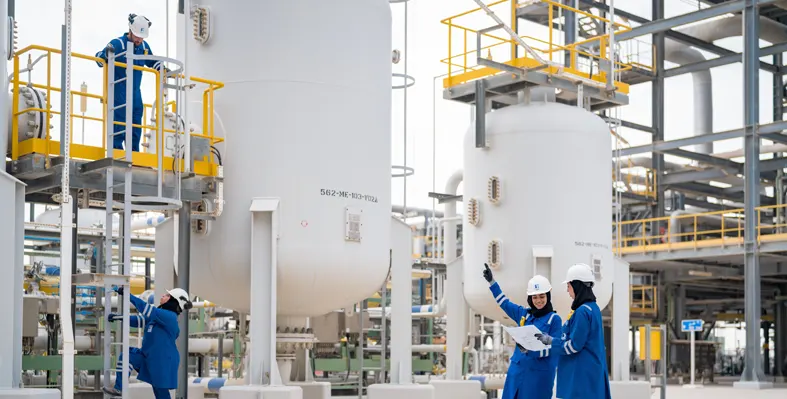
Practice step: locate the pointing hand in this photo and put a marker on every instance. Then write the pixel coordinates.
(488, 274)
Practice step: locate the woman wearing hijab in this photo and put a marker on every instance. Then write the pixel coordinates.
(582, 369)
(531, 374)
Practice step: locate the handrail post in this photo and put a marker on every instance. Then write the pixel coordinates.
(14, 107)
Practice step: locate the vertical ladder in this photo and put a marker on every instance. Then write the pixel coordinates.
(120, 270)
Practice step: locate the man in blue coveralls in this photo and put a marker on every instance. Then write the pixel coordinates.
(157, 361)
(138, 30)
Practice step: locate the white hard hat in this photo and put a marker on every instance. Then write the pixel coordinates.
(139, 25)
(182, 297)
(580, 272)
(538, 285)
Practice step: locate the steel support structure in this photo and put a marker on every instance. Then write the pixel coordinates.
(659, 146)
(184, 259)
(570, 33)
(657, 110)
(752, 372)
(660, 25)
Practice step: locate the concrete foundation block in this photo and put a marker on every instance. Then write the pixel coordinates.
(260, 392)
(395, 391)
(30, 393)
(143, 390)
(629, 389)
(753, 385)
(314, 390)
(461, 389)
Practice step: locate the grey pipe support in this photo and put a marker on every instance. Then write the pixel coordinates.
(184, 258)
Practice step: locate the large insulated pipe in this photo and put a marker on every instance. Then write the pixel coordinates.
(711, 31)
(489, 382)
(202, 346)
(455, 336)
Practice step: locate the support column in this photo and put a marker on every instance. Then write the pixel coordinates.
(401, 303)
(401, 322)
(263, 372)
(570, 36)
(752, 376)
(74, 249)
(657, 160)
(621, 314)
(766, 353)
(147, 274)
(264, 259)
(184, 258)
(780, 329)
(457, 309)
(778, 114)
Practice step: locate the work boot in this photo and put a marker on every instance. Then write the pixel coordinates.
(111, 392)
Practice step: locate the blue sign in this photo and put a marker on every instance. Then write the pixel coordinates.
(691, 325)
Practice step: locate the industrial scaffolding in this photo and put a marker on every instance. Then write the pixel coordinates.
(692, 273)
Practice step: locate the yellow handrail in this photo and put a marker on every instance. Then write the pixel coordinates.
(82, 151)
(693, 234)
(464, 71)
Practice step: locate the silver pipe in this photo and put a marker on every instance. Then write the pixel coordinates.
(711, 31)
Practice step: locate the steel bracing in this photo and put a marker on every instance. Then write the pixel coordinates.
(682, 222)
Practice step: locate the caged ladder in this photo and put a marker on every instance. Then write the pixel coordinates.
(118, 270)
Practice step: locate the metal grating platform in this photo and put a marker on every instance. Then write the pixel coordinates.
(42, 181)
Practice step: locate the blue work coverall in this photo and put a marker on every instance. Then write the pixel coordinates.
(582, 369)
(530, 375)
(157, 362)
(121, 44)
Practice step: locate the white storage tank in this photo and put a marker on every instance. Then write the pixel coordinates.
(537, 201)
(307, 113)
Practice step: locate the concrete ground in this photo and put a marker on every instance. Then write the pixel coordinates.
(722, 391)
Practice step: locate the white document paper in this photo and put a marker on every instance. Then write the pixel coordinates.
(525, 336)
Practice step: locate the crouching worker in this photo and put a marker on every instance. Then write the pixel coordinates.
(531, 374)
(157, 361)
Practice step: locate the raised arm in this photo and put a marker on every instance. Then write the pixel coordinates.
(514, 311)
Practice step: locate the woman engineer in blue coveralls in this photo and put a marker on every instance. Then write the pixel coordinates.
(582, 368)
(531, 375)
(157, 361)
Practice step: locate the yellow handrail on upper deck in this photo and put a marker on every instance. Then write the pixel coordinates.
(462, 71)
(47, 146)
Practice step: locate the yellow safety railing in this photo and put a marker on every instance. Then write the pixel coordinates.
(635, 179)
(643, 299)
(462, 66)
(49, 147)
(697, 230)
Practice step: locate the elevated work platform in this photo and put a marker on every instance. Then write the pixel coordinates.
(507, 63)
(174, 161)
(697, 236)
